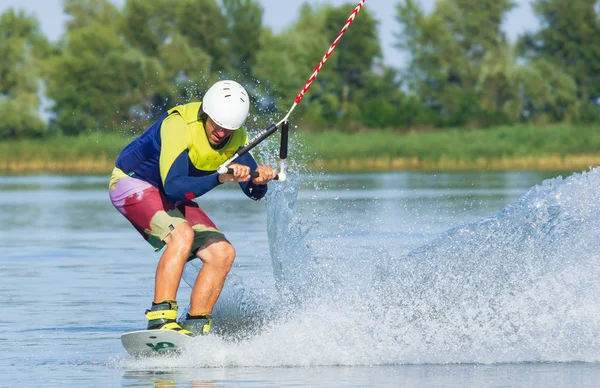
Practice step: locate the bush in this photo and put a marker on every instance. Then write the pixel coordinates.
(18, 122)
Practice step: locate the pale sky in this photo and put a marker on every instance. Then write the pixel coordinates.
(279, 13)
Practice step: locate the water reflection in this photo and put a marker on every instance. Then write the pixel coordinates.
(164, 379)
(407, 376)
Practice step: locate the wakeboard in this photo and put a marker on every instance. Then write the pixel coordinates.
(148, 343)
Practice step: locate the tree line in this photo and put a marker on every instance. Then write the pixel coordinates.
(119, 68)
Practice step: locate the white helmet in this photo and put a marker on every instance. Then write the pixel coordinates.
(227, 104)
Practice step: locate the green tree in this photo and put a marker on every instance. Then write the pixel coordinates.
(243, 19)
(499, 87)
(84, 13)
(550, 94)
(97, 79)
(22, 48)
(167, 36)
(569, 38)
(203, 24)
(187, 69)
(382, 104)
(148, 25)
(350, 65)
(346, 87)
(286, 60)
(447, 49)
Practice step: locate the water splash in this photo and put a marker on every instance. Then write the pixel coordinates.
(239, 313)
(520, 286)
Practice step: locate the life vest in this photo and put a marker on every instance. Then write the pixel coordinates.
(201, 153)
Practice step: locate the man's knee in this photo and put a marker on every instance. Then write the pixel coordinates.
(182, 236)
(219, 254)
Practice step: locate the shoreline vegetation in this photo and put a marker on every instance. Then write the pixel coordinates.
(549, 148)
(103, 166)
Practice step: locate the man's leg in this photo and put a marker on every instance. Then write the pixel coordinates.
(163, 313)
(171, 263)
(217, 258)
(160, 223)
(217, 255)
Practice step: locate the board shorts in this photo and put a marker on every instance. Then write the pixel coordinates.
(154, 216)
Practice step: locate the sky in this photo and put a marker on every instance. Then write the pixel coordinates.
(279, 13)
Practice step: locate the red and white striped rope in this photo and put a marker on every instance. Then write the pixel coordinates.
(328, 53)
(223, 167)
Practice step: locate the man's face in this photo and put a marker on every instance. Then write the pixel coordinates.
(216, 134)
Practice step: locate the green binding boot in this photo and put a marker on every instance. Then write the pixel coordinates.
(197, 324)
(163, 316)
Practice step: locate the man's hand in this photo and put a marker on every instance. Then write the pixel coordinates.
(240, 173)
(266, 174)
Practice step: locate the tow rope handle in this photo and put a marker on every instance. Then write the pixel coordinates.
(283, 151)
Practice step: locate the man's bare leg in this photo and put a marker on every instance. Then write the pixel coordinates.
(163, 313)
(171, 263)
(217, 257)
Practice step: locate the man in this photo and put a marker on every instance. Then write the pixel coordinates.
(154, 181)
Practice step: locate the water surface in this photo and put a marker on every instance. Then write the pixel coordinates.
(393, 279)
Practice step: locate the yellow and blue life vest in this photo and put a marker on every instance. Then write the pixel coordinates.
(175, 146)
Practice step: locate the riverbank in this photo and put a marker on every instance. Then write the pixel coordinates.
(99, 166)
(553, 148)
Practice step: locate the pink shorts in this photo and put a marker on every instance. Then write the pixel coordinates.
(155, 216)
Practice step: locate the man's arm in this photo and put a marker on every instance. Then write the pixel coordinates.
(252, 190)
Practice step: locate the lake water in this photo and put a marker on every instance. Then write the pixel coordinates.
(392, 279)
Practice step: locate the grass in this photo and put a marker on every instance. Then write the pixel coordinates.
(555, 147)
(93, 154)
